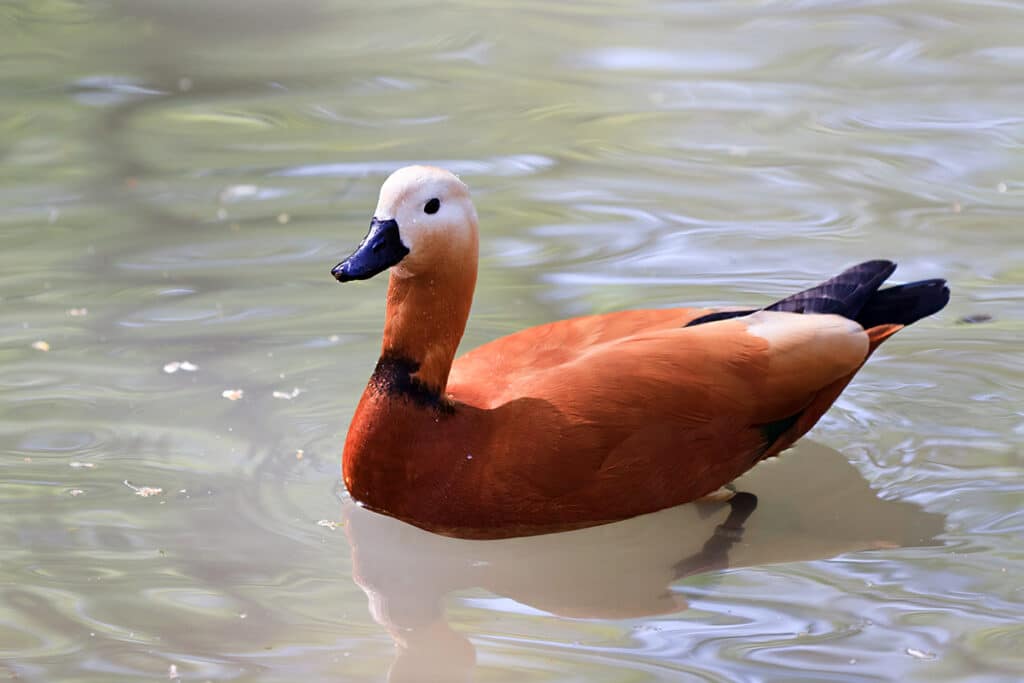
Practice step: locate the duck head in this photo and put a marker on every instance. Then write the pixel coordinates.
(425, 231)
(424, 217)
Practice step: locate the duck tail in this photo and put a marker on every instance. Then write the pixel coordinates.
(855, 294)
(904, 304)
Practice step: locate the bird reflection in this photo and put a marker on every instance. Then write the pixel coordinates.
(809, 504)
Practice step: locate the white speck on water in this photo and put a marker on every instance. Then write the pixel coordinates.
(76, 492)
(144, 491)
(172, 672)
(237, 193)
(283, 218)
(920, 654)
(41, 345)
(77, 464)
(174, 366)
(1001, 187)
(184, 84)
(287, 395)
(328, 524)
(78, 312)
(222, 213)
(53, 216)
(233, 394)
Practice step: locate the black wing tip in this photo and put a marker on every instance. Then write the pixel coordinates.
(879, 265)
(871, 273)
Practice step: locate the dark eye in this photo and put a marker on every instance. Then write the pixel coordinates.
(432, 206)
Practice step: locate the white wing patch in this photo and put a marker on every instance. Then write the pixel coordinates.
(819, 348)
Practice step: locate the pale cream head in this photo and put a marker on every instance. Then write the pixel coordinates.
(435, 216)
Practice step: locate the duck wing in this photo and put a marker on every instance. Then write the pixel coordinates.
(676, 412)
(761, 367)
(488, 375)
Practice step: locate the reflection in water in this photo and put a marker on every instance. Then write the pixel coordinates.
(809, 504)
(183, 171)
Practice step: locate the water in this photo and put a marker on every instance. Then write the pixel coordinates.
(178, 178)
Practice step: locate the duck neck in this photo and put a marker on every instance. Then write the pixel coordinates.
(426, 316)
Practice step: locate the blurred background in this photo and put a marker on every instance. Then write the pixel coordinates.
(178, 368)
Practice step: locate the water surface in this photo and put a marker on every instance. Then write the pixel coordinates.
(178, 178)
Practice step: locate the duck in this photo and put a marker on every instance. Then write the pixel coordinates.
(587, 420)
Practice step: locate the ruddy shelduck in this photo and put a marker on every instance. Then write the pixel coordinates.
(588, 420)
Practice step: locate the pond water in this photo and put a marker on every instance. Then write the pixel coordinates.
(179, 177)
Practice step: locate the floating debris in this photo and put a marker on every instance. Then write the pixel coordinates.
(957, 207)
(185, 365)
(77, 464)
(40, 345)
(172, 672)
(53, 216)
(75, 492)
(328, 523)
(333, 339)
(974, 318)
(78, 312)
(287, 396)
(299, 454)
(920, 654)
(1001, 187)
(233, 394)
(283, 218)
(144, 491)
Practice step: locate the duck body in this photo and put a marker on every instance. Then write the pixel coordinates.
(587, 420)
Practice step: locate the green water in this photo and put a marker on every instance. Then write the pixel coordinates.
(177, 178)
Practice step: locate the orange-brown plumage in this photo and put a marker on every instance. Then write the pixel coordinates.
(587, 420)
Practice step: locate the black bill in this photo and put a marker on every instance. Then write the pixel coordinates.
(380, 249)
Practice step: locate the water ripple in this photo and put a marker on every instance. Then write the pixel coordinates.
(517, 165)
